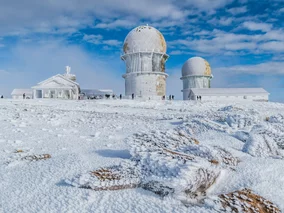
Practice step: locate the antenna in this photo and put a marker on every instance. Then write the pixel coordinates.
(68, 69)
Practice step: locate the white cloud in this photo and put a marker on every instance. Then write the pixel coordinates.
(221, 42)
(240, 46)
(273, 46)
(68, 16)
(225, 21)
(94, 39)
(112, 42)
(98, 39)
(180, 52)
(202, 32)
(273, 35)
(117, 24)
(207, 5)
(237, 10)
(272, 68)
(253, 26)
(47, 16)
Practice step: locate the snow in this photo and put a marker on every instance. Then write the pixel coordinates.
(83, 136)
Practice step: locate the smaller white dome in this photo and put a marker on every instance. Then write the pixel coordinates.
(196, 66)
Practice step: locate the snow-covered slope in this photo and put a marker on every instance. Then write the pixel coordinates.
(44, 143)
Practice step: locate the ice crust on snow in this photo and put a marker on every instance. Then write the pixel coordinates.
(169, 162)
(90, 136)
(260, 144)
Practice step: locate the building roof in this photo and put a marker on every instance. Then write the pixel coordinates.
(145, 39)
(57, 81)
(58, 76)
(196, 66)
(229, 91)
(22, 91)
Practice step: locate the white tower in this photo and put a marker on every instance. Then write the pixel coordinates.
(196, 73)
(68, 75)
(145, 57)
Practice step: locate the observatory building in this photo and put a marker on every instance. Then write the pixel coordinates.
(196, 73)
(58, 87)
(196, 77)
(145, 57)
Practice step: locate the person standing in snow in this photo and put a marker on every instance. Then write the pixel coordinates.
(2, 96)
(132, 96)
(120, 96)
(24, 96)
(173, 97)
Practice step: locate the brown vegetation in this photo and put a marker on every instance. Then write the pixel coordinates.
(248, 202)
(37, 157)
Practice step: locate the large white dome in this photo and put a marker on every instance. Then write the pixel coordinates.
(144, 38)
(196, 66)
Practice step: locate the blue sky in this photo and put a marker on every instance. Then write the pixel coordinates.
(242, 40)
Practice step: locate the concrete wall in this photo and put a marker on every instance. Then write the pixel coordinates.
(145, 85)
(194, 82)
(145, 75)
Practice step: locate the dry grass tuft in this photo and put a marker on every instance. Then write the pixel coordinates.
(37, 157)
(105, 174)
(248, 202)
(196, 141)
(227, 157)
(111, 179)
(178, 155)
(215, 162)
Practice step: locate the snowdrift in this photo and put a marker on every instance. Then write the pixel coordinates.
(175, 163)
(170, 162)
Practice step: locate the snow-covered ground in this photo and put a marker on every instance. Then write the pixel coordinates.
(81, 136)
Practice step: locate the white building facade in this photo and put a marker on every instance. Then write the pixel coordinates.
(145, 57)
(58, 87)
(22, 94)
(196, 73)
(229, 94)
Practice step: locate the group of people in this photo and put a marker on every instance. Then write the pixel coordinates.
(199, 97)
(171, 97)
